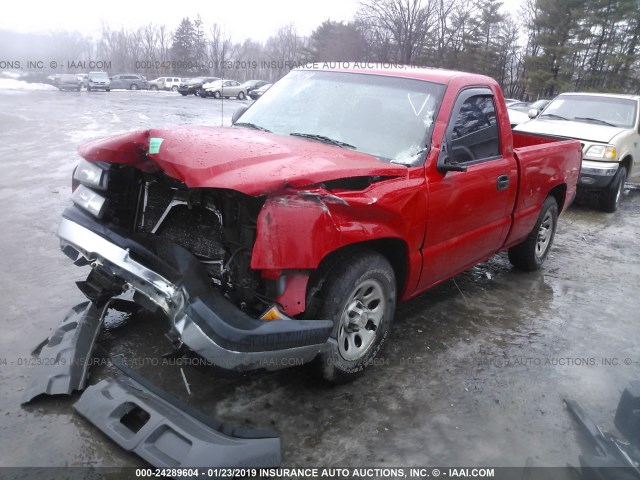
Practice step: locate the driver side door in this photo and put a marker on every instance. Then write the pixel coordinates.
(469, 213)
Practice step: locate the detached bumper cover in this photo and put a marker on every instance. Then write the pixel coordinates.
(166, 436)
(65, 356)
(201, 317)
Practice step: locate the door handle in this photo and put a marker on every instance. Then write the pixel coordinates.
(503, 182)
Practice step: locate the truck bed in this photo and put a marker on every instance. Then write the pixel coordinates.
(535, 154)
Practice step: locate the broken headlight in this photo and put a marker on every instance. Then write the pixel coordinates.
(89, 200)
(91, 175)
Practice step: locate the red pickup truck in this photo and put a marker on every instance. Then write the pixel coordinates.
(290, 236)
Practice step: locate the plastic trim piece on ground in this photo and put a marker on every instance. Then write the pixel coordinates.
(169, 434)
(64, 355)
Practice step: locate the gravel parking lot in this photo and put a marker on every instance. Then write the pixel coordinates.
(475, 371)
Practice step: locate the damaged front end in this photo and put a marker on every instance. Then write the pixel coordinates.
(185, 218)
(167, 276)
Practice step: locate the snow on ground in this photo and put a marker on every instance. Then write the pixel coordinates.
(10, 74)
(12, 84)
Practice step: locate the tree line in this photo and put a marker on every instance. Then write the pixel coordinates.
(548, 47)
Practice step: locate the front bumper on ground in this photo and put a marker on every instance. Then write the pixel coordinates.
(200, 316)
(168, 433)
(597, 175)
(137, 415)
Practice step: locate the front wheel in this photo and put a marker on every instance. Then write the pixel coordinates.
(358, 293)
(610, 198)
(153, 88)
(216, 95)
(531, 254)
(133, 87)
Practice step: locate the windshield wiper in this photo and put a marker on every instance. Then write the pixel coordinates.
(595, 120)
(323, 139)
(251, 125)
(553, 115)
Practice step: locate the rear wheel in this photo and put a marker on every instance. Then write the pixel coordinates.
(174, 88)
(241, 96)
(610, 198)
(531, 254)
(133, 87)
(154, 88)
(357, 292)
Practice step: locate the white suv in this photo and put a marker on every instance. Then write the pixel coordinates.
(166, 83)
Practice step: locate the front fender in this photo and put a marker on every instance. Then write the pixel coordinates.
(296, 230)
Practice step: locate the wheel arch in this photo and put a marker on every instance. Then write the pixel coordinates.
(394, 250)
(559, 192)
(627, 161)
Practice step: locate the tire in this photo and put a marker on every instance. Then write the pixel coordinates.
(532, 252)
(153, 88)
(216, 95)
(174, 88)
(108, 89)
(184, 94)
(204, 94)
(88, 89)
(133, 87)
(241, 96)
(610, 198)
(358, 292)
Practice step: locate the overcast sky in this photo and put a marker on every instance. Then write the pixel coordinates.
(256, 19)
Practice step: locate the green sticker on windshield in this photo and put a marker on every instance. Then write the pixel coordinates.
(154, 144)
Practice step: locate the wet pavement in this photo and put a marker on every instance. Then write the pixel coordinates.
(474, 373)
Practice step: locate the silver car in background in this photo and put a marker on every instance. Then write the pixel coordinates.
(224, 88)
(129, 81)
(69, 81)
(98, 81)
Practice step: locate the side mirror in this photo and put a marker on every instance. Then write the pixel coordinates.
(533, 113)
(445, 163)
(238, 113)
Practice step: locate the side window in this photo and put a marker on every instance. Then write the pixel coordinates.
(475, 131)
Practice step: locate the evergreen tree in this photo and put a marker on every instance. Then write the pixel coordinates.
(183, 48)
(337, 41)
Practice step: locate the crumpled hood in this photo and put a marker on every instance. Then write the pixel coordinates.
(590, 132)
(249, 161)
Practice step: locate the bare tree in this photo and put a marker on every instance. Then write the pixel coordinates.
(408, 23)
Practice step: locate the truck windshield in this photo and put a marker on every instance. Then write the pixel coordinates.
(610, 111)
(385, 116)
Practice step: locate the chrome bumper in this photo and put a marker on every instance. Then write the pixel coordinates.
(597, 175)
(309, 336)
